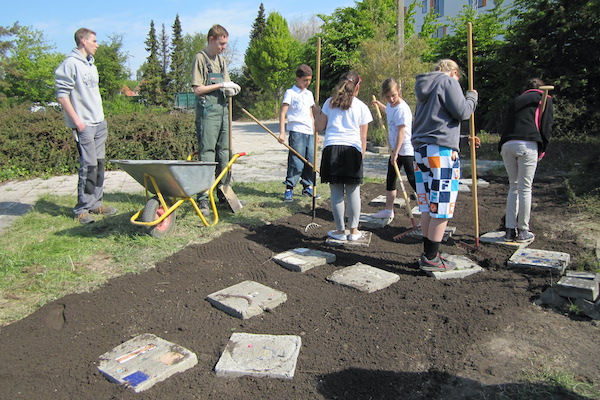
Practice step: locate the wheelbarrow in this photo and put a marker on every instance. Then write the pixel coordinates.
(173, 182)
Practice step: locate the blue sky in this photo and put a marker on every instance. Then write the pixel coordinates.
(58, 20)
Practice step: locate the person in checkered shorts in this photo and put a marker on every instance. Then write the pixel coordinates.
(441, 106)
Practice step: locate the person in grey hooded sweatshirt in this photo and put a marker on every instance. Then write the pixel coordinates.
(78, 93)
(441, 106)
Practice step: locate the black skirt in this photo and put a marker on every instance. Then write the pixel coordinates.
(342, 164)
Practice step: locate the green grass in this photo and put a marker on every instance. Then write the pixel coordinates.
(551, 384)
(46, 254)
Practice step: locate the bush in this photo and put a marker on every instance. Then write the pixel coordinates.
(39, 144)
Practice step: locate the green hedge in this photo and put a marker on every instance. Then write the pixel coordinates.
(39, 144)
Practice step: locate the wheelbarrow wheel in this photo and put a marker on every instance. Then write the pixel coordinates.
(153, 211)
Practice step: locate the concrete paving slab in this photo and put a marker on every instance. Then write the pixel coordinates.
(367, 221)
(464, 267)
(363, 277)
(540, 259)
(303, 259)
(469, 182)
(417, 234)
(270, 356)
(380, 201)
(464, 188)
(364, 241)
(246, 299)
(497, 237)
(589, 308)
(551, 298)
(415, 211)
(583, 275)
(145, 360)
(578, 288)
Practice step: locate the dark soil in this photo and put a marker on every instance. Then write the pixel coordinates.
(420, 338)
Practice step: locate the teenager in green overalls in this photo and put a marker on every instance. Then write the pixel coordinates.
(212, 86)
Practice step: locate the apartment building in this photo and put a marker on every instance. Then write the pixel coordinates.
(449, 8)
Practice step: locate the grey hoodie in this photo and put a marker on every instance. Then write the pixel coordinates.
(441, 106)
(77, 78)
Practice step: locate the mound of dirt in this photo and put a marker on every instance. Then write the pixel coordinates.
(420, 338)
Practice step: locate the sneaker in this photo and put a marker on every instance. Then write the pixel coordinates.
(383, 214)
(308, 191)
(204, 206)
(437, 264)
(510, 235)
(353, 237)
(524, 235)
(104, 210)
(336, 236)
(84, 218)
(288, 195)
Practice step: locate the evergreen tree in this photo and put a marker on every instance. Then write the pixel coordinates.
(151, 85)
(177, 72)
(273, 58)
(259, 26)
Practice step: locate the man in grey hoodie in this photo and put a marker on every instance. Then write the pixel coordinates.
(441, 106)
(78, 93)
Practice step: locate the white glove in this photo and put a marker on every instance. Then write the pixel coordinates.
(231, 85)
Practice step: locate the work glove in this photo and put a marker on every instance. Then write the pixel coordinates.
(231, 88)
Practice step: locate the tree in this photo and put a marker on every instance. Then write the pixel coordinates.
(192, 45)
(152, 79)
(273, 58)
(346, 29)
(260, 25)
(557, 40)
(28, 65)
(304, 29)
(177, 72)
(110, 61)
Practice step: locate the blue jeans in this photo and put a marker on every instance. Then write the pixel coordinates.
(520, 161)
(297, 170)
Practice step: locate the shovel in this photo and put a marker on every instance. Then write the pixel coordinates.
(313, 224)
(232, 200)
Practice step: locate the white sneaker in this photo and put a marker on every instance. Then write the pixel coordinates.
(353, 237)
(336, 236)
(383, 214)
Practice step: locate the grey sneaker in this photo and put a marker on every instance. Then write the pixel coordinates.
(84, 218)
(204, 206)
(524, 236)
(510, 235)
(104, 210)
(437, 264)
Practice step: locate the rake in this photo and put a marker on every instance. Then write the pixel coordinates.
(313, 224)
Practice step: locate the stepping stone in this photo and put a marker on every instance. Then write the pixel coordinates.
(380, 200)
(578, 288)
(272, 356)
(583, 275)
(551, 298)
(469, 182)
(415, 211)
(144, 361)
(364, 241)
(363, 277)
(246, 299)
(464, 188)
(464, 268)
(367, 221)
(497, 237)
(302, 259)
(590, 309)
(417, 234)
(540, 259)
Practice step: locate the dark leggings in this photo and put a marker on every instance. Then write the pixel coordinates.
(392, 179)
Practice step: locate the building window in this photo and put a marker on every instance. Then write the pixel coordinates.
(438, 7)
(424, 6)
(481, 3)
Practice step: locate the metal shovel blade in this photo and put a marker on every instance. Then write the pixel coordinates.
(234, 203)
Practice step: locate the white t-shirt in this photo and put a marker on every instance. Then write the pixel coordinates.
(343, 127)
(396, 116)
(299, 114)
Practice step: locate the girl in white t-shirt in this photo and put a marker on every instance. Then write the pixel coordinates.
(399, 121)
(346, 120)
